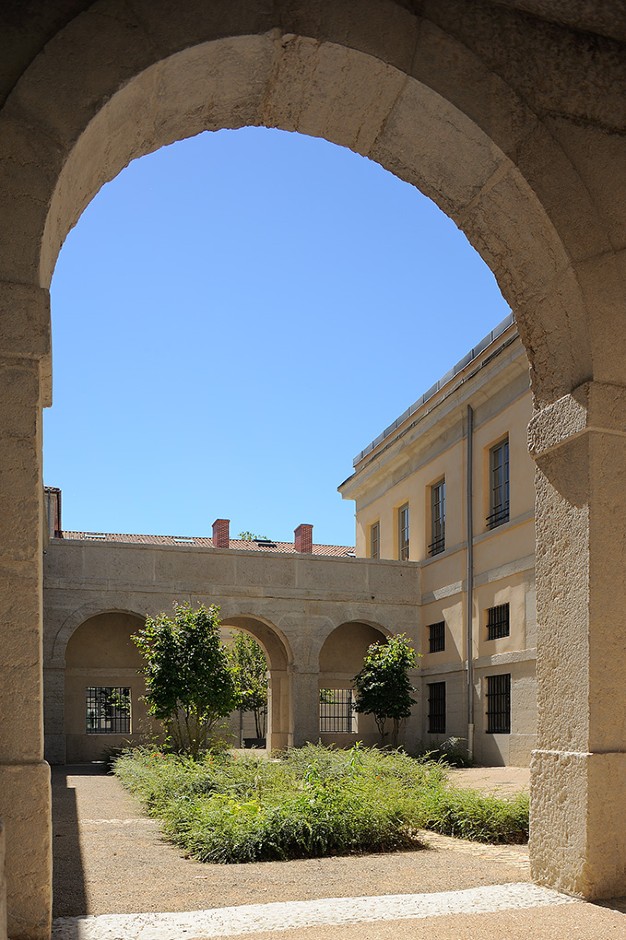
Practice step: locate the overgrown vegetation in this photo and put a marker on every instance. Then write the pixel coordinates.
(310, 802)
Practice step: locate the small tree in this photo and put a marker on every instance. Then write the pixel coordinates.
(249, 667)
(189, 683)
(252, 537)
(383, 688)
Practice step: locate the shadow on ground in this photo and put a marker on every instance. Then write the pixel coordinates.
(69, 893)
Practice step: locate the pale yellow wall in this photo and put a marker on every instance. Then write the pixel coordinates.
(512, 420)
(433, 445)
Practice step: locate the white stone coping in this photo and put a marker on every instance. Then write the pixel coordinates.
(278, 916)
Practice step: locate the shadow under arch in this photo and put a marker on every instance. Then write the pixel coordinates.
(340, 659)
(279, 732)
(100, 655)
(81, 615)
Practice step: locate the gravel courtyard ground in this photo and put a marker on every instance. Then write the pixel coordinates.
(110, 859)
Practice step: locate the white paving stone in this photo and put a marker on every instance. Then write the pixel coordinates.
(230, 921)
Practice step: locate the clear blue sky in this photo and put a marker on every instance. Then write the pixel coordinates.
(234, 318)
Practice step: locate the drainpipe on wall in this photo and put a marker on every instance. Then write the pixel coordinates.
(470, 583)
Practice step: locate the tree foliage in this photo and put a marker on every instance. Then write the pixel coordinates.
(189, 682)
(383, 688)
(249, 667)
(252, 537)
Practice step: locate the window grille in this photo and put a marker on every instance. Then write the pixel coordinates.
(499, 484)
(337, 712)
(375, 540)
(437, 708)
(498, 622)
(499, 704)
(108, 710)
(403, 532)
(437, 637)
(437, 518)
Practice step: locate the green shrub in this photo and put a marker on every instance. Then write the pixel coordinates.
(311, 802)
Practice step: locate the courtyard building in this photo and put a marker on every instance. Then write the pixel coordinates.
(450, 486)
(510, 116)
(444, 553)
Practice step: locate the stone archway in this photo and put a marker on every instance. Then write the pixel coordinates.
(449, 100)
(279, 658)
(340, 658)
(77, 655)
(103, 665)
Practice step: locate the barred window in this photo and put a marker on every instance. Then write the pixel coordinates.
(498, 622)
(498, 484)
(437, 708)
(375, 540)
(499, 704)
(108, 710)
(437, 518)
(437, 637)
(403, 532)
(337, 712)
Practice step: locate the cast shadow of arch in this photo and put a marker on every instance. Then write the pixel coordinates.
(69, 890)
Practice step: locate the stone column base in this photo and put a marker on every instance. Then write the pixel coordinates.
(25, 807)
(578, 822)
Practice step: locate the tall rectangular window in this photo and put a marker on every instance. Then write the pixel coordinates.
(498, 622)
(499, 704)
(437, 637)
(403, 532)
(437, 708)
(108, 710)
(337, 712)
(498, 484)
(375, 540)
(437, 518)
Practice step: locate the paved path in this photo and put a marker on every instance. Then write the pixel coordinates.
(114, 876)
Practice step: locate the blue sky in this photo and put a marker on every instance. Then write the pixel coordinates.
(234, 318)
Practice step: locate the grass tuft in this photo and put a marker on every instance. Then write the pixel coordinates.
(310, 802)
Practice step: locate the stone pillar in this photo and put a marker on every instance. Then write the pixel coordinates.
(279, 710)
(578, 772)
(305, 698)
(24, 776)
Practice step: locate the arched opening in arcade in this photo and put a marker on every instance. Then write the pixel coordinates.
(341, 658)
(104, 688)
(277, 721)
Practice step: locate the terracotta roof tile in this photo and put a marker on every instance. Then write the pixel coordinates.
(276, 548)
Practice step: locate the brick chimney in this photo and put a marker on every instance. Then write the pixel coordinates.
(221, 533)
(52, 504)
(303, 538)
